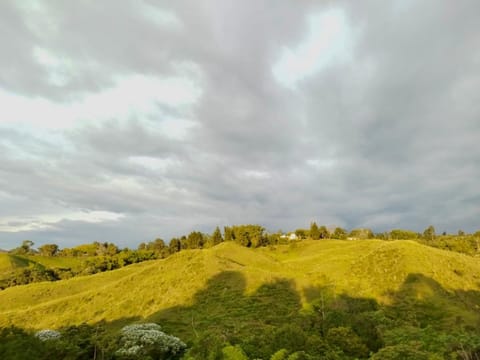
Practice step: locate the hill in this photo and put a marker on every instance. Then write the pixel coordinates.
(234, 291)
(11, 264)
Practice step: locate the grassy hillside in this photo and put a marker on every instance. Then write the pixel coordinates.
(232, 289)
(10, 262)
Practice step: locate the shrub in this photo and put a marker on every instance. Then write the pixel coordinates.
(47, 334)
(141, 340)
(233, 353)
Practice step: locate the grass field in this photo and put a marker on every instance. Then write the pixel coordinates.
(234, 289)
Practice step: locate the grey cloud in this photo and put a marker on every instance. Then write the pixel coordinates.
(387, 139)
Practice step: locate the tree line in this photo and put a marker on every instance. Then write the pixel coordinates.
(104, 256)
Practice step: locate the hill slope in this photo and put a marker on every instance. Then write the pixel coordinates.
(233, 288)
(9, 262)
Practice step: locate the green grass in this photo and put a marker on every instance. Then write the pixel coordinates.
(10, 262)
(73, 263)
(231, 289)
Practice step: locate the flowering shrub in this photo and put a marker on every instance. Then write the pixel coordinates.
(46, 335)
(139, 340)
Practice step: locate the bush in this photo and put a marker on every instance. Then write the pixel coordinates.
(233, 353)
(46, 335)
(142, 340)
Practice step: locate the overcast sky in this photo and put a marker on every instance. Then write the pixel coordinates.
(124, 121)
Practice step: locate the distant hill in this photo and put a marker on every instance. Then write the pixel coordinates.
(230, 285)
(10, 263)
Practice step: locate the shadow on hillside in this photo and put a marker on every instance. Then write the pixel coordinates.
(223, 308)
(223, 312)
(423, 301)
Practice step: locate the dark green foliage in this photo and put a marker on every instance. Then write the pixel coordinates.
(24, 249)
(216, 236)
(82, 342)
(302, 233)
(228, 233)
(48, 249)
(195, 240)
(28, 275)
(346, 340)
(399, 234)
(401, 352)
(339, 233)
(429, 234)
(290, 337)
(361, 233)
(314, 231)
(323, 232)
(157, 247)
(174, 246)
(208, 346)
(466, 244)
(17, 344)
(246, 235)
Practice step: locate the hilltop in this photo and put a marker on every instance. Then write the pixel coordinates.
(350, 297)
(368, 269)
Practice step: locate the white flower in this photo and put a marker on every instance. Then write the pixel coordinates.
(139, 339)
(47, 334)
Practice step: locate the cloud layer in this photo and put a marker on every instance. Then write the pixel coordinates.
(125, 122)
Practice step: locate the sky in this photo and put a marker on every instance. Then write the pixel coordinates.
(124, 121)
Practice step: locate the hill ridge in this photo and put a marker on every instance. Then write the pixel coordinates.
(368, 268)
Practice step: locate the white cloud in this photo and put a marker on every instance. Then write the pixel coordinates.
(152, 163)
(136, 95)
(59, 68)
(160, 17)
(256, 174)
(329, 40)
(37, 17)
(48, 221)
(321, 164)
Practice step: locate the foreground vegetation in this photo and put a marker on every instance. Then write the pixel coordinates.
(330, 299)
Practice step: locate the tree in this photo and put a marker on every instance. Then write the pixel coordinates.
(216, 236)
(339, 233)
(148, 341)
(174, 245)
(24, 249)
(105, 249)
(401, 352)
(48, 249)
(158, 245)
(323, 232)
(314, 231)
(348, 341)
(301, 233)
(195, 240)
(429, 234)
(248, 235)
(400, 234)
(361, 233)
(228, 233)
